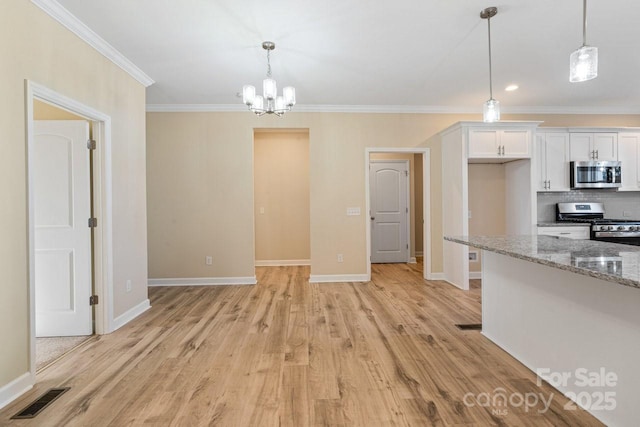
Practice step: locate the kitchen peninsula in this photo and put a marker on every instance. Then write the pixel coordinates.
(567, 307)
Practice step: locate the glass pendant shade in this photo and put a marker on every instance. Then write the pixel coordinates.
(248, 94)
(583, 64)
(269, 88)
(279, 105)
(289, 95)
(491, 111)
(258, 103)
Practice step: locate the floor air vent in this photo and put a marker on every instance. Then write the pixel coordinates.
(470, 326)
(40, 403)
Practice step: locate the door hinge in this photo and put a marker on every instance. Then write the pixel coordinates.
(406, 173)
(407, 246)
(407, 210)
(93, 222)
(93, 300)
(91, 144)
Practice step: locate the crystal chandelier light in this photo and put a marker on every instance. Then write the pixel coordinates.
(583, 63)
(491, 108)
(269, 102)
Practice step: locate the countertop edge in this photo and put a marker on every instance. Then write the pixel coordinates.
(573, 269)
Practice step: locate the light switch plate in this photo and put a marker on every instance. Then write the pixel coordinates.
(353, 211)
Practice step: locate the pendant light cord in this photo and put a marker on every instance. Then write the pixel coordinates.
(490, 74)
(584, 22)
(268, 63)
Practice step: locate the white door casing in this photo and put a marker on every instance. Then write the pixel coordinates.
(389, 188)
(62, 236)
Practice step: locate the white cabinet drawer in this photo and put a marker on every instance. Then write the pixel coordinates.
(572, 232)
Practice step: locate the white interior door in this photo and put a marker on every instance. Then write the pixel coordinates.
(62, 236)
(389, 188)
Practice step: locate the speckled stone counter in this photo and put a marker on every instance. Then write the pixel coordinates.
(557, 305)
(607, 261)
(562, 224)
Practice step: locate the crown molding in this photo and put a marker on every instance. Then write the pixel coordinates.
(391, 109)
(67, 19)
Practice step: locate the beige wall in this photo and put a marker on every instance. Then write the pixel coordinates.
(281, 207)
(35, 47)
(486, 203)
(180, 193)
(44, 111)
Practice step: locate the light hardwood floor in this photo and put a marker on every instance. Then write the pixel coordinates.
(287, 353)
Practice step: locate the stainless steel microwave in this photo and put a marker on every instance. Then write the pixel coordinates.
(593, 174)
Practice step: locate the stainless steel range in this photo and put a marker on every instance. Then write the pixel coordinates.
(604, 229)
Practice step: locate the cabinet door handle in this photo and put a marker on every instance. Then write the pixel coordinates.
(592, 154)
(597, 154)
(503, 150)
(498, 150)
(549, 185)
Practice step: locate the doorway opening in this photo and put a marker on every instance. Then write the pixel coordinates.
(53, 159)
(281, 197)
(416, 236)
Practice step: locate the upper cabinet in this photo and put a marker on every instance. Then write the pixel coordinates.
(593, 146)
(629, 155)
(552, 161)
(499, 144)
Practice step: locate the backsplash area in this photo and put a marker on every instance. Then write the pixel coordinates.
(617, 204)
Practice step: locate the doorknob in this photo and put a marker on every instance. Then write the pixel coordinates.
(373, 218)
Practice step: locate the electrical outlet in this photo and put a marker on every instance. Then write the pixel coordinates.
(128, 285)
(208, 260)
(340, 258)
(473, 256)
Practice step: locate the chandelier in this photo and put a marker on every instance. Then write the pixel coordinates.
(583, 62)
(269, 102)
(491, 108)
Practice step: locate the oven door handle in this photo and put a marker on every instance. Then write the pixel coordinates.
(620, 234)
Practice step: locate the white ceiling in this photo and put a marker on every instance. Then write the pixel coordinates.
(418, 55)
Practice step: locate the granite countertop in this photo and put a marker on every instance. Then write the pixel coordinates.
(562, 224)
(612, 262)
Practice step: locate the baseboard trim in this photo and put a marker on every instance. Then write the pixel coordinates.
(475, 275)
(282, 262)
(337, 278)
(130, 314)
(419, 253)
(15, 389)
(435, 276)
(412, 260)
(204, 281)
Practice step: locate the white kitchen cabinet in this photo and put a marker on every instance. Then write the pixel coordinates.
(629, 155)
(570, 232)
(553, 161)
(499, 143)
(593, 146)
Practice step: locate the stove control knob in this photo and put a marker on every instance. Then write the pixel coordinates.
(610, 227)
(633, 228)
(621, 228)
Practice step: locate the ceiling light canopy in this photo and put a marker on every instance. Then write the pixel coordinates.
(269, 102)
(511, 87)
(491, 108)
(583, 63)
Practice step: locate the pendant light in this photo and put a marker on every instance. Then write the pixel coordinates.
(491, 109)
(269, 102)
(583, 63)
